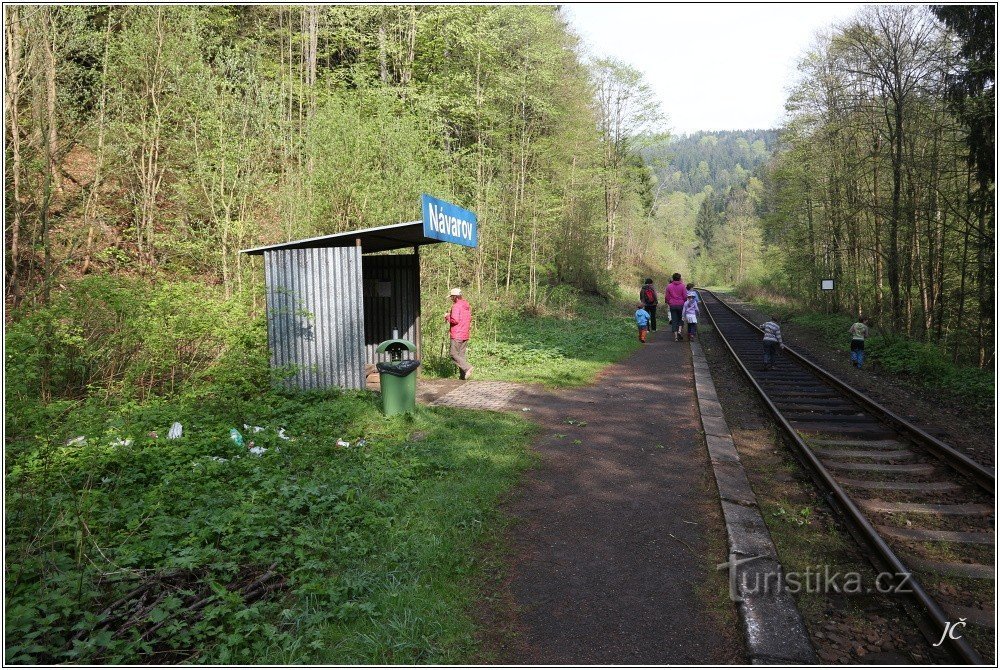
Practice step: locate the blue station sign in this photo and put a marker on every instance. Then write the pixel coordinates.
(449, 223)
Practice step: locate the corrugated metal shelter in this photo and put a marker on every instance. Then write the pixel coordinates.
(330, 302)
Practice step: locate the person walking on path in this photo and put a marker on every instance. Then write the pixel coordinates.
(690, 311)
(647, 296)
(642, 319)
(460, 320)
(772, 341)
(859, 331)
(675, 296)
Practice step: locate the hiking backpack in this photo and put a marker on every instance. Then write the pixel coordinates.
(648, 294)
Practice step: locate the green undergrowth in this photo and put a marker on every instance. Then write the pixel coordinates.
(921, 363)
(123, 546)
(564, 345)
(374, 549)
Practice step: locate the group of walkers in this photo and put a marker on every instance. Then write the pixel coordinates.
(684, 304)
(773, 343)
(683, 301)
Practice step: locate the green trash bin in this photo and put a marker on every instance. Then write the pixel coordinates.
(398, 378)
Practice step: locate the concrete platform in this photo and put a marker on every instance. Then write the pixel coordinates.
(772, 625)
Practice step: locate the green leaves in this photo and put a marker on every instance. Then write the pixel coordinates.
(360, 537)
(562, 350)
(131, 340)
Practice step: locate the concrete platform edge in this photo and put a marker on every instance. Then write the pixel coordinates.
(780, 638)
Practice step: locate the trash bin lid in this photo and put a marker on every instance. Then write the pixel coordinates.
(398, 368)
(396, 344)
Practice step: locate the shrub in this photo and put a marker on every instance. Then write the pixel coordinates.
(924, 362)
(931, 366)
(832, 328)
(121, 338)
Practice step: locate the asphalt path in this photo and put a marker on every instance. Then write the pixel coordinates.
(617, 533)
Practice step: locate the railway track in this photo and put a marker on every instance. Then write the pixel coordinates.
(924, 511)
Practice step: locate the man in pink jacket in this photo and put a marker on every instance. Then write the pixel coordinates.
(460, 320)
(675, 296)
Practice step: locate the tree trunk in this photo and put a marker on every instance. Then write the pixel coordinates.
(383, 67)
(894, 216)
(411, 42)
(963, 272)
(877, 225)
(984, 279)
(90, 205)
(52, 157)
(12, 102)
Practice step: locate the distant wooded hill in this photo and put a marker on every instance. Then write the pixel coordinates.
(720, 159)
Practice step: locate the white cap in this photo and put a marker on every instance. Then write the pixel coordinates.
(456, 291)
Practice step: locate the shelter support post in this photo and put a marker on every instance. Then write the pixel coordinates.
(416, 270)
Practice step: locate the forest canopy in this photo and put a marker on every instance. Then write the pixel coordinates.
(147, 145)
(883, 184)
(882, 179)
(163, 139)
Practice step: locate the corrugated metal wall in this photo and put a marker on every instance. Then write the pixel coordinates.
(315, 322)
(392, 301)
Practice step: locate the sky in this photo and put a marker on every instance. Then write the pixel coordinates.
(713, 66)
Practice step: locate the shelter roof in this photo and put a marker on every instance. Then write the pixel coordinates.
(382, 238)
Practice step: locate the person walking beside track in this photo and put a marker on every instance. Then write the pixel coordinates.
(859, 331)
(675, 296)
(460, 320)
(647, 296)
(772, 341)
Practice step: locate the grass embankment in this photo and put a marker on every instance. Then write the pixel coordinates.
(563, 345)
(374, 547)
(920, 363)
(127, 547)
(132, 548)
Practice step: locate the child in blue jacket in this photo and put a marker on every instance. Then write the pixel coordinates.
(642, 321)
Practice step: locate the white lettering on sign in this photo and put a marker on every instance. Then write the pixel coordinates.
(449, 225)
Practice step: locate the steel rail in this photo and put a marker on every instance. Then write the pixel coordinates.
(960, 646)
(982, 476)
